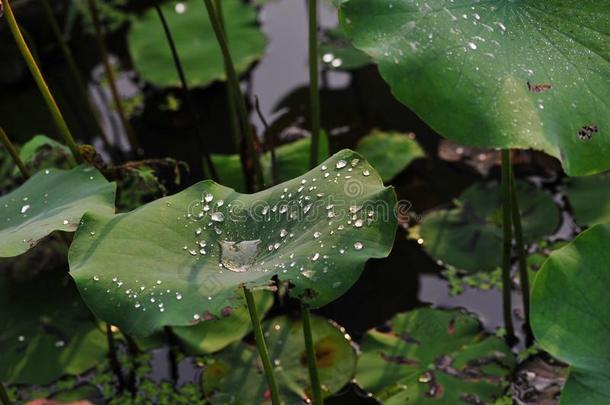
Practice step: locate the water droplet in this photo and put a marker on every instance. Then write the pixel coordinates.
(358, 246)
(316, 235)
(66, 222)
(96, 278)
(25, 208)
(315, 257)
(366, 173)
(238, 256)
(472, 45)
(180, 8)
(341, 164)
(218, 217)
(198, 231)
(358, 223)
(208, 197)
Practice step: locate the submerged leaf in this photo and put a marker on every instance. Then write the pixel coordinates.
(196, 44)
(234, 376)
(501, 74)
(570, 317)
(182, 259)
(434, 356)
(45, 330)
(470, 236)
(51, 200)
(389, 153)
(590, 199)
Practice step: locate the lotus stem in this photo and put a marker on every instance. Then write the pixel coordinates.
(80, 83)
(4, 395)
(262, 347)
(236, 93)
(314, 95)
(118, 102)
(523, 276)
(233, 119)
(187, 94)
(507, 245)
(314, 377)
(270, 142)
(14, 154)
(58, 118)
(114, 360)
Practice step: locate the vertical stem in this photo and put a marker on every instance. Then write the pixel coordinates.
(233, 119)
(112, 356)
(80, 83)
(99, 38)
(314, 378)
(14, 154)
(187, 94)
(507, 245)
(60, 122)
(4, 395)
(262, 347)
(314, 95)
(523, 276)
(238, 98)
(270, 141)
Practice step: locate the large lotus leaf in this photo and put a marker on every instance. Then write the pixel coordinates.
(389, 153)
(434, 356)
(181, 259)
(45, 330)
(210, 337)
(570, 317)
(235, 376)
(470, 236)
(51, 200)
(590, 199)
(196, 44)
(337, 52)
(292, 160)
(518, 74)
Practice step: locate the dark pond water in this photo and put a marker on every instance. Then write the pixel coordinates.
(352, 105)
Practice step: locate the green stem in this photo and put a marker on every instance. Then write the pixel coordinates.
(314, 378)
(14, 154)
(114, 360)
(4, 395)
(507, 245)
(314, 95)
(187, 94)
(80, 83)
(60, 122)
(523, 276)
(262, 347)
(238, 98)
(103, 51)
(233, 119)
(270, 142)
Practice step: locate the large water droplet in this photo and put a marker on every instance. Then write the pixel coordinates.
(218, 217)
(238, 256)
(341, 164)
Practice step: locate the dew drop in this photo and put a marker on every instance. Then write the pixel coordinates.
(358, 246)
(341, 164)
(218, 217)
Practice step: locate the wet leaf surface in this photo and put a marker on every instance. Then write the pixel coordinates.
(51, 200)
(434, 356)
(518, 74)
(210, 337)
(235, 375)
(195, 41)
(46, 331)
(182, 259)
(389, 153)
(469, 237)
(570, 314)
(338, 53)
